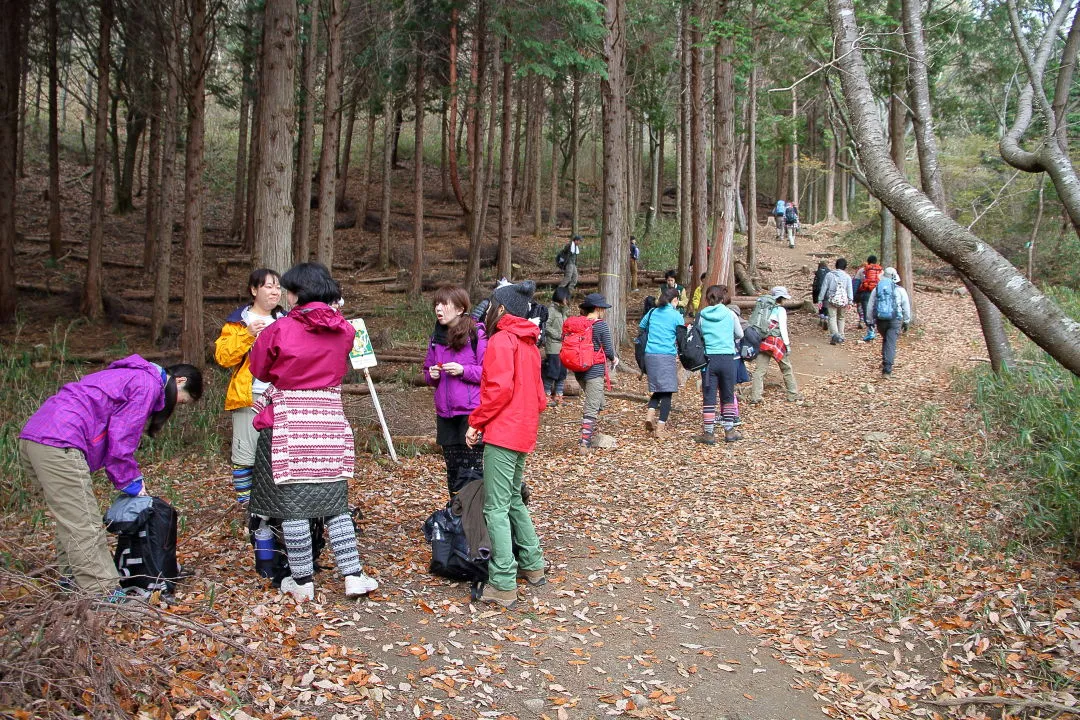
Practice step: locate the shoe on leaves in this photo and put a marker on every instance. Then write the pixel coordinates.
(732, 436)
(502, 598)
(358, 585)
(534, 577)
(300, 593)
(705, 438)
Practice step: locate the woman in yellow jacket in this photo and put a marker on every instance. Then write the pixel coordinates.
(231, 352)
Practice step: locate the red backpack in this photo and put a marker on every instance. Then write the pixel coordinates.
(871, 276)
(578, 353)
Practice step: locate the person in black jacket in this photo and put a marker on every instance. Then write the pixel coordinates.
(819, 278)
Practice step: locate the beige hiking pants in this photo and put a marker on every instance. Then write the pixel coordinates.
(81, 546)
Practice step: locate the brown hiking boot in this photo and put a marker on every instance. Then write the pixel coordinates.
(661, 429)
(503, 598)
(533, 577)
(732, 435)
(705, 438)
(650, 419)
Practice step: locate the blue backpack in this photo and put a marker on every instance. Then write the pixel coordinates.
(780, 207)
(885, 301)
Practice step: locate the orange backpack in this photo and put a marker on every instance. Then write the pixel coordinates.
(871, 276)
(578, 353)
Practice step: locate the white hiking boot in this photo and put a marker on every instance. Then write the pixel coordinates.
(299, 592)
(357, 585)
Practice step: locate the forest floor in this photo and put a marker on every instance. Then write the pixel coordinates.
(847, 559)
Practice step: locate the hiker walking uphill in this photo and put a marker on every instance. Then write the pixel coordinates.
(507, 421)
(720, 329)
(635, 254)
(566, 260)
(453, 366)
(778, 216)
(867, 279)
(791, 223)
(836, 294)
(231, 351)
(661, 359)
(92, 424)
(305, 454)
(769, 318)
(554, 372)
(587, 349)
(815, 291)
(890, 308)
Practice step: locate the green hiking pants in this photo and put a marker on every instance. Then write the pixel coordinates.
(508, 520)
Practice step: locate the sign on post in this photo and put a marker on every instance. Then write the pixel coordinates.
(362, 357)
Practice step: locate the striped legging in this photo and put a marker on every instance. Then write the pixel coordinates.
(342, 540)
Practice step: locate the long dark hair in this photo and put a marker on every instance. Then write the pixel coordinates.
(311, 282)
(463, 331)
(717, 295)
(666, 296)
(194, 387)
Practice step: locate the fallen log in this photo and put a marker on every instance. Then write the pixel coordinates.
(149, 295)
(931, 287)
(105, 358)
(47, 288)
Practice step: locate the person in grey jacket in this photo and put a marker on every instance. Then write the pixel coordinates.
(891, 315)
(838, 278)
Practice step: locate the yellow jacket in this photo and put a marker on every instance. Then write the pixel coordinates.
(231, 352)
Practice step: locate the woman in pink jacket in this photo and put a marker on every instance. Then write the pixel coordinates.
(304, 431)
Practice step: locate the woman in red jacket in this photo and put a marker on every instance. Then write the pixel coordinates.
(507, 419)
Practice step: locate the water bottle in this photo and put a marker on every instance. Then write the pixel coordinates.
(265, 549)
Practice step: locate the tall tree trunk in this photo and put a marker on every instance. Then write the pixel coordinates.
(387, 178)
(254, 174)
(451, 125)
(654, 180)
(897, 125)
(328, 154)
(416, 282)
(686, 217)
(1031, 311)
(575, 149)
(722, 268)
(751, 180)
(473, 115)
(10, 51)
(553, 173)
(309, 60)
(153, 172)
(795, 146)
(444, 175)
(538, 146)
(277, 114)
(365, 171)
(506, 169)
(613, 90)
(240, 175)
(24, 71)
(830, 180)
(476, 219)
(997, 340)
(699, 188)
(163, 219)
(91, 305)
(56, 230)
(346, 151)
(192, 344)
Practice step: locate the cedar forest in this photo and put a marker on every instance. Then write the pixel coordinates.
(884, 548)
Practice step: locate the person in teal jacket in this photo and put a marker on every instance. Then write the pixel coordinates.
(661, 358)
(720, 329)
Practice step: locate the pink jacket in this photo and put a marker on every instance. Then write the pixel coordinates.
(308, 349)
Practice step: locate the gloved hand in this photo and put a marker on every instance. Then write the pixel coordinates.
(135, 487)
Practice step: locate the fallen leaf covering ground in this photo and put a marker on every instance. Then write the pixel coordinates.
(847, 559)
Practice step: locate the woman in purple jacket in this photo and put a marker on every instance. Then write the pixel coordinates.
(453, 366)
(92, 424)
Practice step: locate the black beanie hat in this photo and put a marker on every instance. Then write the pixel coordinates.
(516, 298)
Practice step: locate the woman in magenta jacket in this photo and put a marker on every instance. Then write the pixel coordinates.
(453, 366)
(507, 419)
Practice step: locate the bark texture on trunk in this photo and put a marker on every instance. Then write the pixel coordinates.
(192, 345)
(277, 112)
(11, 42)
(506, 171)
(1032, 312)
(416, 281)
(240, 173)
(92, 289)
(302, 186)
(56, 231)
(162, 262)
(331, 131)
(613, 242)
(387, 177)
(722, 267)
(751, 178)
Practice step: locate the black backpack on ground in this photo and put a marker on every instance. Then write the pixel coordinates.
(450, 547)
(145, 554)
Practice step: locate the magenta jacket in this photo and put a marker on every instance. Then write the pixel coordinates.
(103, 416)
(308, 349)
(457, 395)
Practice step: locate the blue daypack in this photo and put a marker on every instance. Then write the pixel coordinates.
(780, 207)
(885, 301)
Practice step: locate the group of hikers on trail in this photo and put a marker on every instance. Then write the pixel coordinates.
(494, 369)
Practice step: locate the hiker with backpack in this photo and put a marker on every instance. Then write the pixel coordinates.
(452, 367)
(635, 254)
(506, 421)
(88, 425)
(661, 358)
(815, 291)
(890, 308)
(769, 320)
(720, 330)
(231, 351)
(554, 372)
(305, 455)
(836, 294)
(867, 278)
(566, 260)
(778, 216)
(587, 348)
(791, 222)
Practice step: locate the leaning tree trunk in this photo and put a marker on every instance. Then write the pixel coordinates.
(273, 198)
(997, 340)
(309, 54)
(324, 248)
(613, 89)
(192, 344)
(1032, 312)
(92, 290)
